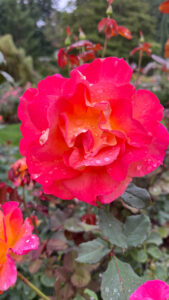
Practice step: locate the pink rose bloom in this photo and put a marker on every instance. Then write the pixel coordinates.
(151, 290)
(86, 136)
(16, 239)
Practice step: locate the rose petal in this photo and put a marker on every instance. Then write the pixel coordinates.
(153, 289)
(8, 274)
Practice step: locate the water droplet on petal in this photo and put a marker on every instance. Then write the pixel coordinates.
(44, 137)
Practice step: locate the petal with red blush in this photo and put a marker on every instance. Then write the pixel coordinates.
(8, 274)
(13, 224)
(145, 103)
(118, 189)
(26, 244)
(155, 154)
(91, 183)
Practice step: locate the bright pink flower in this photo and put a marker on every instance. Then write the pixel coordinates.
(151, 290)
(86, 136)
(16, 238)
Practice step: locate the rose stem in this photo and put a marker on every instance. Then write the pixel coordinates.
(33, 287)
(139, 66)
(105, 47)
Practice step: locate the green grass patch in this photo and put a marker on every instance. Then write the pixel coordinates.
(10, 133)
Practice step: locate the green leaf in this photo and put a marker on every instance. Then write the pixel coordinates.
(81, 277)
(91, 294)
(136, 197)
(154, 238)
(119, 281)
(154, 252)
(161, 272)
(112, 229)
(163, 231)
(92, 252)
(139, 255)
(47, 281)
(78, 297)
(136, 229)
(73, 225)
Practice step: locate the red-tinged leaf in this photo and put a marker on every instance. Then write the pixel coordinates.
(88, 55)
(56, 245)
(79, 44)
(42, 209)
(57, 219)
(135, 50)
(36, 254)
(74, 60)
(35, 266)
(110, 27)
(125, 32)
(13, 195)
(102, 24)
(3, 192)
(69, 260)
(68, 31)
(63, 290)
(62, 58)
(146, 47)
(164, 7)
(94, 47)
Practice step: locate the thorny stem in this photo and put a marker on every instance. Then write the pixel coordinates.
(139, 66)
(33, 287)
(28, 211)
(105, 47)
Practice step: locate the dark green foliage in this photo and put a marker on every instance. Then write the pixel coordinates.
(20, 20)
(131, 14)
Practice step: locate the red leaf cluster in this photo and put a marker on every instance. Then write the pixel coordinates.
(145, 47)
(65, 56)
(111, 29)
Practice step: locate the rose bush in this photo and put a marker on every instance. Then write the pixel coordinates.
(86, 136)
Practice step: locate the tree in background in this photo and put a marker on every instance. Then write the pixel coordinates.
(20, 19)
(18, 65)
